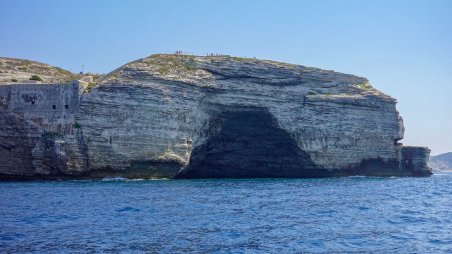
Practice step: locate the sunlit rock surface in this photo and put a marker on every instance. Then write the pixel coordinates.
(196, 117)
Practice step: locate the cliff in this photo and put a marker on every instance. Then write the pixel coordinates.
(178, 116)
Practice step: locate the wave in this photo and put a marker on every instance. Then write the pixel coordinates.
(123, 179)
(107, 179)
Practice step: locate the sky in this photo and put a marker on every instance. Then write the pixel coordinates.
(403, 47)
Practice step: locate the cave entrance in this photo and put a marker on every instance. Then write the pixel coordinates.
(249, 144)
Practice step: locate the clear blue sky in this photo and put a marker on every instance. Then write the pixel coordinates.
(403, 47)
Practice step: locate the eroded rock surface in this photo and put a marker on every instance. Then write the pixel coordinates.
(196, 117)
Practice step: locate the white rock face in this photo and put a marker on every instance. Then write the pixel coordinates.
(159, 109)
(195, 117)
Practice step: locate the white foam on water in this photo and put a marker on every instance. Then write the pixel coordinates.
(357, 176)
(123, 179)
(106, 179)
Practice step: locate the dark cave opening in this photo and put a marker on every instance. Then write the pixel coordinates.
(249, 144)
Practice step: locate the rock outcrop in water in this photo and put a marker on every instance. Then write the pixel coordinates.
(178, 116)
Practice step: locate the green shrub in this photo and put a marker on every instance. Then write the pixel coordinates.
(364, 86)
(35, 77)
(239, 59)
(62, 71)
(13, 80)
(90, 86)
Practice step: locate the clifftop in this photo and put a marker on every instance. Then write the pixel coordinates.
(14, 70)
(212, 71)
(192, 69)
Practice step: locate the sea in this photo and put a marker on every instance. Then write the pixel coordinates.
(329, 215)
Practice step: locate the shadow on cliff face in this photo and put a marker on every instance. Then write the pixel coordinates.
(249, 143)
(24, 149)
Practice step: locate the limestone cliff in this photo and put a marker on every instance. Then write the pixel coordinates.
(195, 117)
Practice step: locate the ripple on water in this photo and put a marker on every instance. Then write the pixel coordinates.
(352, 214)
(127, 209)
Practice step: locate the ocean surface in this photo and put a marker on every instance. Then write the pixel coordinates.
(351, 215)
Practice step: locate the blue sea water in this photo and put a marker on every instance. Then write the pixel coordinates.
(353, 214)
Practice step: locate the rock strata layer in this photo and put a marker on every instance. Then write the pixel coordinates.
(178, 116)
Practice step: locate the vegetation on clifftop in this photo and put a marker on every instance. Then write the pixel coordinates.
(365, 86)
(21, 70)
(172, 63)
(36, 78)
